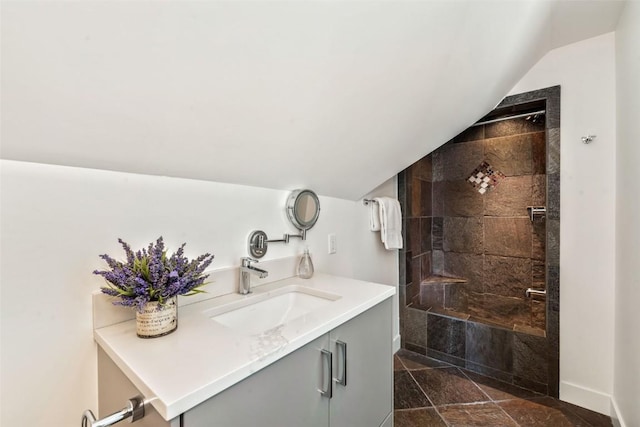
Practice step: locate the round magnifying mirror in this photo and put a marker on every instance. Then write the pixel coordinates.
(303, 209)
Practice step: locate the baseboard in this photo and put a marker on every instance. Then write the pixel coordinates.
(396, 344)
(585, 397)
(616, 417)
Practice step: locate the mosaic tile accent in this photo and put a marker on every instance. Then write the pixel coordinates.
(484, 177)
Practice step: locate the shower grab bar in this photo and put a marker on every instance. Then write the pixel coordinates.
(134, 409)
(536, 211)
(539, 292)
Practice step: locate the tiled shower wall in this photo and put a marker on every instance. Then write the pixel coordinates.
(489, 240)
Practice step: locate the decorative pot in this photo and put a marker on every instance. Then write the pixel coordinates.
(157, 320)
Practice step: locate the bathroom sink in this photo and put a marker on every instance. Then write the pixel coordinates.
(264, 311)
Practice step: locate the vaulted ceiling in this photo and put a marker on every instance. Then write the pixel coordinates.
(337, 96)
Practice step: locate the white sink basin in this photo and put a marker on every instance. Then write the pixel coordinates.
(261, 312)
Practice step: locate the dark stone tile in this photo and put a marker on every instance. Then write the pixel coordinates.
(486, 371)
(538, 315)
(499, 390)
(421, 169)
(553, 150)
(530, 384)
(448, 385)
(553, 388)
(432, 294)
(417, 417)
(413, 237)
(446, 335)
(444, 357)
(425, 265)
(538, 190)
(553, 196)
(516, 126)
(413, 361)
(459, 160)
(416, 276)
(467, 266)
(437, 159)
(489, 346)
(437, 232)
(437, 262)
(543, 411)
(397, 364)
(530, 357)
(500, 310)
(402, 267)
(553, 107)
(553, 241)
(408, 267)
(553, 335)
(474, 133)
(507, 236)
(539, 152)
(456, 296)
(461, 199)
(510, 197)
(414, 348)
(538, 273)
(416, 198)
(463, 234)
(538, 240)
(553, 287)
(506, 276)
(425, 233)
(479, 415)
(406, 393)
(437, 198)
(593, 418)
(425, 198)
(510, 155)
(415, 327)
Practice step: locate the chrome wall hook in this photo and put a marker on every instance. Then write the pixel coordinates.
(588, 139)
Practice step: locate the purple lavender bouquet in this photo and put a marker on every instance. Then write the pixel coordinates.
(150, 275)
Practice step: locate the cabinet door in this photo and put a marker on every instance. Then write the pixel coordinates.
(367, 398)
(281, 395)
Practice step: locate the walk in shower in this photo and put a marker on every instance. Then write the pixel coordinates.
(479, 273)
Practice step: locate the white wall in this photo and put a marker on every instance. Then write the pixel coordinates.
(626, 390)
(586, 73)
(56, 220)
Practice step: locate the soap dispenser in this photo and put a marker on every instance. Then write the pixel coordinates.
(305, 267)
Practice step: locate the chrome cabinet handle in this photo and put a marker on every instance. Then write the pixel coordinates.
(134, 409)
(342, 363)
(327, 367)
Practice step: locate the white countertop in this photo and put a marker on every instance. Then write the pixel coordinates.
(202, 357)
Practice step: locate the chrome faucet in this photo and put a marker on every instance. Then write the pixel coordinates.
(246, 269)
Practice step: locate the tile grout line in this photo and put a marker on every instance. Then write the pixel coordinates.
(429, 399)
(491, 399)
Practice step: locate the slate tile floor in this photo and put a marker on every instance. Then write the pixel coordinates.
(432, 393)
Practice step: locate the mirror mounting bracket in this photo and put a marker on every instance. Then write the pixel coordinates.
(259, 242)
(303, 209)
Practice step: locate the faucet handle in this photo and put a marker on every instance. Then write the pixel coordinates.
(246, 261)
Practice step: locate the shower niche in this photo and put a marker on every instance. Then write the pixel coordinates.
(479, 273)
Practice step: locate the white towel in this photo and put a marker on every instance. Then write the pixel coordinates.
(374, 216)
(390, 222)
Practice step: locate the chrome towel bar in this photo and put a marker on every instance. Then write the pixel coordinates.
(134, 409)
(367, 201)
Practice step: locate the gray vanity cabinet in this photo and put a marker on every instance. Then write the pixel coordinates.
(367, 397)
(286, 393)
